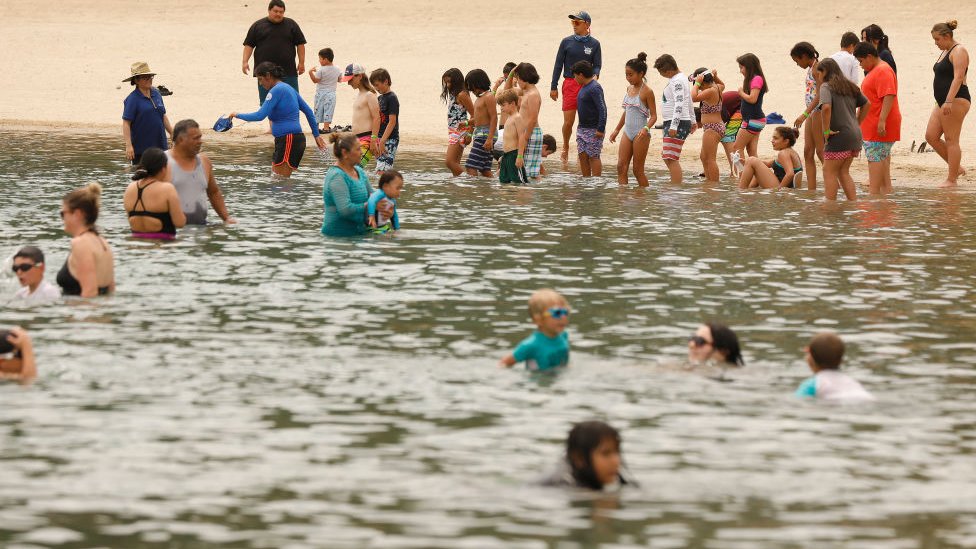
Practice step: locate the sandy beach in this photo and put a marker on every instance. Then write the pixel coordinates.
(84, 51)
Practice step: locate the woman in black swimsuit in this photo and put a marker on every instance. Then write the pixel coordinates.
(151, 200)
(951, 98)
(90, 267)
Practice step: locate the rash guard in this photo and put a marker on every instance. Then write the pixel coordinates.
(281, 107)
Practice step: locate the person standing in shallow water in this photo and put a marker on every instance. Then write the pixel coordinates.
(579, 46)
(952, 100)
(191, 173)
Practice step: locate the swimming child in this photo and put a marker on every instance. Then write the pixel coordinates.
(326, 76)
(591, 106)
(707, 90)
(459, 106)
(388, 188)
(779, 173)
(807, 57)
(824, 355)
(17, 355)
(484, 120)
(677, 111)
(548, 346)
(753, 89)
(511, 166)
(637, 120)
(593, 459)
(365, 113)
(389, 120)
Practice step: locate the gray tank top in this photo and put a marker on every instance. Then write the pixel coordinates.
(192, 188)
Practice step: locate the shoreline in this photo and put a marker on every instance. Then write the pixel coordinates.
(913, 175)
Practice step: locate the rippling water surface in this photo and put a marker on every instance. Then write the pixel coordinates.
(261, 386)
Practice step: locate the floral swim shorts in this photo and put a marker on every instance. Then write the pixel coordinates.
(877, 151)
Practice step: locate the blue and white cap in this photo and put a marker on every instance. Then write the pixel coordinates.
(581, 15)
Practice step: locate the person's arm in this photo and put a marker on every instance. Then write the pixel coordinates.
(557, 70)
(752, 97)
(886, 105)
(826, 109)
(464, 98)
(597, 60)
(862, 108)
(345, 207)
(84, 261)
(492, 122)
(620, 125)
(214, 195)
(507, 361)
(21, 341)
(681, 105)
(371, 207)
(301, 58)
(262, 112)
(651, 103)
(786, 160)
(313, 74)
(175, 208)
(814, 103)
(245, 65)
(167, 125)
(130, 152)
(601, 108)
(960, 65)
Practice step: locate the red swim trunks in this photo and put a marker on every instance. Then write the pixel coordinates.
(570, 91)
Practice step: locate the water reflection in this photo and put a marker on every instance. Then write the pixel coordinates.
(258, 385)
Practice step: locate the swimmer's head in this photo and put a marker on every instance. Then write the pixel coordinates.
(79, 208)
(549, 311)
(714, 341)
(825, 352)
(508, 67)
(391, 183)
(152, 163)
(548, 145)
(593, 453)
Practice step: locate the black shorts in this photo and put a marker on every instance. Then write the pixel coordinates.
(289, 148)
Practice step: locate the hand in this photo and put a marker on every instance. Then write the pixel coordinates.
(311, 75)
(799, 121)
(385, 207)
(372, 221)
(613, 136)
(130, 153)
(381, 147)
(19, 339)
(232, 115)
(829, 134)
(882, 127)
(554, 94)
(519, 162)
(673, 133)
(643, 131)
(693, 128)
(374, 146)
(300, 68)
(599, 135)
(245, 67)
(946, 108)
(230, 221)
(320, 142)
(489, 145)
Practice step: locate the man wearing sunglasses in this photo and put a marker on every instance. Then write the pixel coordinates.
(29, 268)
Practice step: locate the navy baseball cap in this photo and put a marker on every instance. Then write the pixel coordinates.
(223, 124)
(582, 16)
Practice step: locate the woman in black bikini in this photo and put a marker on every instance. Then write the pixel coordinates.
(151, 200)
(90, 267)
(951, 98)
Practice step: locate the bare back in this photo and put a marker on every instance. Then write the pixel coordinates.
(530, 106)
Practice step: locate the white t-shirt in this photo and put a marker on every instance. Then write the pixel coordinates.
(835, 385)
(677, 101)
(329, 75)
(45, 292)
(848, 65)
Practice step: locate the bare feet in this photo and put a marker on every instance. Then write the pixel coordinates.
(564, 156)
(948, 184)
(962, 171)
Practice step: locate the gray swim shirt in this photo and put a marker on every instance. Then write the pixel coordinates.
(192, 188)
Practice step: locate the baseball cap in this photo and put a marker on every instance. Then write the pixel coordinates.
(581, 15)
(352, 70)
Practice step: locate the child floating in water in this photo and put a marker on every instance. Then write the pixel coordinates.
(547, 347)
(824, 355)
(592, 459)
(389, 187)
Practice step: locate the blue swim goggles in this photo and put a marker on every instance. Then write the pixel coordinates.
(557, 312)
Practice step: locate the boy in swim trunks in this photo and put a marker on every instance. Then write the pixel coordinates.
(824, 355)
(389, 120)
(511, 166)
(548, 346)
(591, 106)
(365, 112)
(484, 120)
(677, 112)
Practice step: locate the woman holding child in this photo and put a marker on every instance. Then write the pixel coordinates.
(346, 191)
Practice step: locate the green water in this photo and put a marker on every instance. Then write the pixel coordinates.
(259, 385)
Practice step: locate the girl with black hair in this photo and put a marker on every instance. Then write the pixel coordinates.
(459, 107)
(593, 459)
(752, 92)
(873, 33)
(639, 116)
(806, 57)
(152, 203)
(843, 108)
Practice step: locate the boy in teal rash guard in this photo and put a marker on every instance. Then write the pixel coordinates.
(548, 346)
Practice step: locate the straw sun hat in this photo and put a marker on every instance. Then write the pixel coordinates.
(140, 68)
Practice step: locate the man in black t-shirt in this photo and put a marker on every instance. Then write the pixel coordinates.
(275, 38)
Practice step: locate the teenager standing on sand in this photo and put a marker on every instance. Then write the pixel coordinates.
(579, 46)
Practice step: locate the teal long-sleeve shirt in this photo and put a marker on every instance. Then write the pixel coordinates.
(344, 200)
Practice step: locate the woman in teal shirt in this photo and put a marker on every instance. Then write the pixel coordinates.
(346, 189)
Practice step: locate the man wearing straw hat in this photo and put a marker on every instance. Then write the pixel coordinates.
(144, 120)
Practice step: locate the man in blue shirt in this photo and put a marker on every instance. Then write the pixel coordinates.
(579, 46)
(144, 120)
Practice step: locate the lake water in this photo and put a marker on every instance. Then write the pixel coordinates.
(261, 386)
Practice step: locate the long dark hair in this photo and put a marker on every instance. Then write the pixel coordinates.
(724, 339)
(753, 69)
(476, 80)
(874, 32)
(833, 77)
(456, 86)
(267, 68)
(583, 439)
(152, 161)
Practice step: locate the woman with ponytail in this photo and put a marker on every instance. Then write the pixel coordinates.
(90, 267)
(873, 34)
(281, 107)
(151, 200)
(952, 100)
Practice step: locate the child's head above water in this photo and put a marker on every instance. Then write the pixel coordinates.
(825, 352)
(391, 183)
(508, 67)
(549, 310)
(380, 78)
(593, 453)
(548, 145)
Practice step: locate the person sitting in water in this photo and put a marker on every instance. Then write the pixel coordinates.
(389, 187)
(548, 346)
(151, 200)
(824, 354)
(17, 355)
(29, 268)
(593, 459)
(713, 342)
(89, 269)
(781, 172)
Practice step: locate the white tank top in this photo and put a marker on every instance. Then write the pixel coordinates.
(192, 188)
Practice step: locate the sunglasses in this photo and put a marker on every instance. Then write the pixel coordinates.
(699, 341)
(557, 312)
(24, 267)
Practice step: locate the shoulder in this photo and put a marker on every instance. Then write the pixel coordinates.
(205, 160)
(361, 172)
